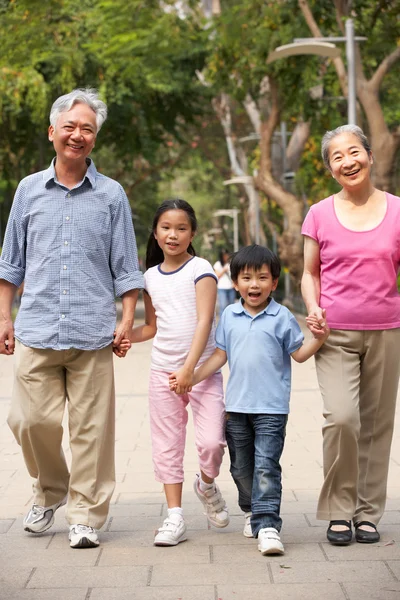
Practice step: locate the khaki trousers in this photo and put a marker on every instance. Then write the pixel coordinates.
(358, 375)
(44, 381)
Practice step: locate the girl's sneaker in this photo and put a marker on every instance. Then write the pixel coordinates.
(269, 541)
(172, 531)
(247, 532)
(216, 509)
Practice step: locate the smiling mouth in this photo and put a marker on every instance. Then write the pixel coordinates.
(254, 294)
(352, 173)
(74, 147)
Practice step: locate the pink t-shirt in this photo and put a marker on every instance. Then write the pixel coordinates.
(358, 268)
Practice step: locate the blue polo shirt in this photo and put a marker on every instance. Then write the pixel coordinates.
(258, 349)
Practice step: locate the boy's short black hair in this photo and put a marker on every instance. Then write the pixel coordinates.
(254, 257)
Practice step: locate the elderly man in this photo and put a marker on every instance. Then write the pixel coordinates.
(70, 238)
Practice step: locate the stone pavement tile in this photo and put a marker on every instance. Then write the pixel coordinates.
(53, 594)
(136, 510)
(291, 591)
(302, 535)
(5, 525)
(315, 572)
(249, 553)
(18, 555)
(164, 575)
(372, 591)
(118, 539)
(383, 550)
(304, 507)
(183, 554)
(84, 577)
(12, 580)
(302, 494)
(137, 524)
(394, 565)
(202, 592)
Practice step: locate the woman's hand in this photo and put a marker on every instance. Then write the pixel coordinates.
(316, 321)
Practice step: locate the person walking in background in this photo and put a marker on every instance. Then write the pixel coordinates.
(180, 295)
(351, 262)
(257, 336)
(226, 291)
(71, 241)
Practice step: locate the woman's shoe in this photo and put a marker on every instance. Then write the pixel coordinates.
(366, 537)
(339, 538)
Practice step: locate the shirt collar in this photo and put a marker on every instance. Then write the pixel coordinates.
(271, 309)
(50, 173)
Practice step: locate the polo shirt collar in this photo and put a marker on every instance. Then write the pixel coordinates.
(50, 173)
(272, 308)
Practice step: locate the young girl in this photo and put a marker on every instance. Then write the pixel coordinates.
(180, 295)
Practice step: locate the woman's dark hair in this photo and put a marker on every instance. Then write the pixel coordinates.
(254, 257)
(154, 254)
(221, 256)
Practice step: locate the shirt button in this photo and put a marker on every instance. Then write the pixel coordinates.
(65, 267)
(67, 218)
(68, 195)
(63, 316)
(64, 292)
(65, 243)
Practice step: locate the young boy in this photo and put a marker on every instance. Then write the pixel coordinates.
(257, 336)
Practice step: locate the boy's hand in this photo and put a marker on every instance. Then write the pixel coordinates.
(122, 348)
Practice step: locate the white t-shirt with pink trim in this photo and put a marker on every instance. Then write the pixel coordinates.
(173, 296)
(358, 268)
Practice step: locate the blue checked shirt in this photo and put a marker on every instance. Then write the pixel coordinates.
(75, 250)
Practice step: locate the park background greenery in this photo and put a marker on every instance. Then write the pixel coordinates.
(193, 103)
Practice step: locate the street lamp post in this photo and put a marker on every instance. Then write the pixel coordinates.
(324, 47)
(233, 213)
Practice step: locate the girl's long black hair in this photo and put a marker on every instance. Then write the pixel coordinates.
(154, 254)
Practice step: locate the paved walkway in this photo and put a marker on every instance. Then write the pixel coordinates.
(211, 565)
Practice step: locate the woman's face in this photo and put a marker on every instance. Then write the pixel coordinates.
(349, 162)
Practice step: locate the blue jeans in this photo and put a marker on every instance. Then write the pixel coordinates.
(255, 445)
(225, 297)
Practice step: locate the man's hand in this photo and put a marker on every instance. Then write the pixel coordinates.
(122, 332)
(7, 341)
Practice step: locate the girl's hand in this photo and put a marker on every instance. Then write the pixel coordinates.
(122, 348)
(181, 381)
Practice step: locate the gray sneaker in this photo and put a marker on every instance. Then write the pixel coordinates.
(41, 518)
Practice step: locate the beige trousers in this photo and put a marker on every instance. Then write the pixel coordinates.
(358, 375)
(44, 381)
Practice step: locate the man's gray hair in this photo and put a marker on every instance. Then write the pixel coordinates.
(329, 135)
(87, 96)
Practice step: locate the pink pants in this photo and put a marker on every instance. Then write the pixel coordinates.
(168, 419)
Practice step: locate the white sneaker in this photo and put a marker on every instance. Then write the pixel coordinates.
(269, 541)
(216, 509)
(83, 536)
(41, 518)
(172, 531)
(247, 532)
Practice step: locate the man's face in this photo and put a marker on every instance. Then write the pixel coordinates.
(75, 132)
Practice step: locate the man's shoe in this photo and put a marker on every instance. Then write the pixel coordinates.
(339, 538)
(269, 541)
(172, 531)
(83, 536)
(41, 518)
(247, 532)
(366, 537)
(216, 509)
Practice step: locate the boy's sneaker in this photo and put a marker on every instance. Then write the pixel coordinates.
(247, 532)
(83, 536)
(269, 541)
(172, 531)
(216, 509)
(41, 518)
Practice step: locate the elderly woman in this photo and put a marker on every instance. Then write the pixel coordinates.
(351, 262)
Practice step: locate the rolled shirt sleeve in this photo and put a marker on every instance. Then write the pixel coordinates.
(124, 256)
(12, 260)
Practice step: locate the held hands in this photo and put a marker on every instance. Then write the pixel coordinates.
(181, 381)
(316, 323)
(122, 343)
(122, 348)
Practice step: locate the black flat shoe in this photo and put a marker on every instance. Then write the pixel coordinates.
(366, 537)
(339, 538)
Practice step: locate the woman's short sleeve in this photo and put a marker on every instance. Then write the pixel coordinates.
(309, 227)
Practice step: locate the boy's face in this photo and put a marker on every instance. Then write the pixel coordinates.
(255, 288)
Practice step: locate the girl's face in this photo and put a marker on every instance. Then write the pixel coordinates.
(174, 233)
(349, 162)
